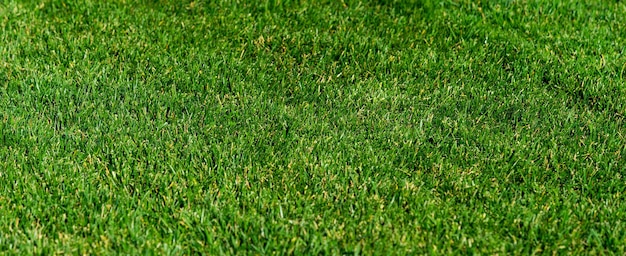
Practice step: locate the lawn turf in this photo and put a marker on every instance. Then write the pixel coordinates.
(312, 127)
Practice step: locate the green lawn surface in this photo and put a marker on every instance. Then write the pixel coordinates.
(312, 127)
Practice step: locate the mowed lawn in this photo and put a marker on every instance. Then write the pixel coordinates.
(312, 127)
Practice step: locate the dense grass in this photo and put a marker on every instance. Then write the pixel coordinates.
(312, 126)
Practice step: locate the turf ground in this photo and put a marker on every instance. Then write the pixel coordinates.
(312, 127)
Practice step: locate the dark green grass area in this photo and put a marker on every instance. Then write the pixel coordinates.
(312, 127)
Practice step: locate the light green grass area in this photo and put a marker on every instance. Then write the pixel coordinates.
(312, 127)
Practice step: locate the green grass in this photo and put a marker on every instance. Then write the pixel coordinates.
(312, 127)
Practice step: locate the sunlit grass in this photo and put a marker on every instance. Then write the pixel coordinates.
(310, 127)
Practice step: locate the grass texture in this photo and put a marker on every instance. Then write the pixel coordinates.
(312, 127)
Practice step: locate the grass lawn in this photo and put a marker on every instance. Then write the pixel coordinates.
(312, 127)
